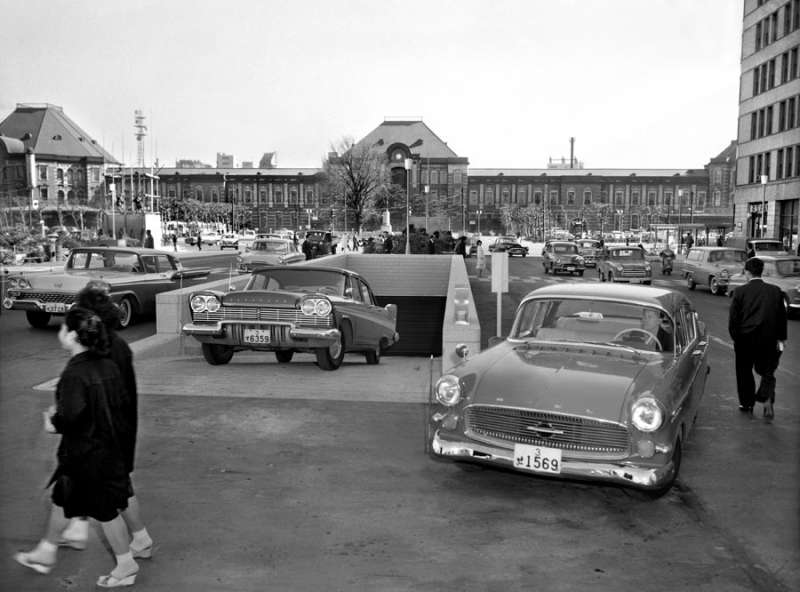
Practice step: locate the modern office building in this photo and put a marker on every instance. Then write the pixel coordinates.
(767, 189)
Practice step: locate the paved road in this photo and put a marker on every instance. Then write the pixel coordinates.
(255, 476)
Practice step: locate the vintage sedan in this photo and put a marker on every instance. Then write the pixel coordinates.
(269, 251)
(134, 276)
(594, 382)
(326, 311)
(624, 264)
(712, 267)
(783, 271)
(229, 241)
(590, 250)
(513, 248)
(562, 256)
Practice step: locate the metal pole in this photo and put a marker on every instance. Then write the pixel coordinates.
(408, 162)
(763, 218)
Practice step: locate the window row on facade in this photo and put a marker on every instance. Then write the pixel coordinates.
(764, 74)
(634, 198)
(269, 196)
(763, 123)
(45, 173)
(767, 28)
(787, 164)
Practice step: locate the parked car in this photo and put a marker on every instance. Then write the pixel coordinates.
(513, 248)
(134, 276)
(590, 250)
(210, 238)
(500, 240)
(755, 247)
(229, 241)
(712, 267)
(562, 256)
(624, 264)
(784, 272)
(594, 382)
(285, 309)
(269, 251)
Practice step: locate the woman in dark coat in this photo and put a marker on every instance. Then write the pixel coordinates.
(95, 297)
(91, 478)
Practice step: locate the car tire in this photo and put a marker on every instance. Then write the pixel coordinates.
(36, 319)
(330, 358)
(373, 356)
(127, 313)
(690, 283)
(610, 277)
(602, 275)
(216, 354)
(284, 356)
(580, 273)
(715, 288)
(647, 282)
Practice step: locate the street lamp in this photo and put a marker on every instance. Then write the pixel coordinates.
(407, 163)
(763, 218)
(309, 211)
(479, 212)
(426, 190)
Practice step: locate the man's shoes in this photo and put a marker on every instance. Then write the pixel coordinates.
(769, 410)
(746, 409)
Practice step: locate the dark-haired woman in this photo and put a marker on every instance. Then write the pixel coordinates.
(95, 297)
(90, 478)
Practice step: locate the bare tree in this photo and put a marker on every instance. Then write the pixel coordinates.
(356, 175)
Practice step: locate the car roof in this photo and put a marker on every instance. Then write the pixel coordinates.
(717, 249)
(137, 250)
(664, 298)
(312, 268)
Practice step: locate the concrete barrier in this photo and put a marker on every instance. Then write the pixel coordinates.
(388, 275)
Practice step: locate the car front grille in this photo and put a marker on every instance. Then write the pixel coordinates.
(244, 314)
(634, 273)
(567, 432)
(62, 297)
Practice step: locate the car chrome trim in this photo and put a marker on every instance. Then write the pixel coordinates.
(622, 473)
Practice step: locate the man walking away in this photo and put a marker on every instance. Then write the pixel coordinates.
(757, 324)
(149, 242)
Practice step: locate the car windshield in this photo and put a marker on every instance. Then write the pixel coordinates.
(298, 280)
(727, 256)
(589, 244)
(121, 261)
(764, 246)
(788, 267)
(588, 321)
(565, 249)
(632, 254)
(271, 246)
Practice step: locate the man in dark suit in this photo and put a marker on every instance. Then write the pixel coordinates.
(757, 324)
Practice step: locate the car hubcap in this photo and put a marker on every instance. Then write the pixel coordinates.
(335, 349)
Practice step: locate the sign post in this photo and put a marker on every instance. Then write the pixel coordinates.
(500, 284)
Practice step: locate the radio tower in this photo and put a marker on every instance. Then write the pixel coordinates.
(141, 132)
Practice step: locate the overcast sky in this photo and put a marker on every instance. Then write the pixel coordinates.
(637, 83)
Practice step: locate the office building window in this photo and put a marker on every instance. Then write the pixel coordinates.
(701, 201)
(537, 198)
(758, 35)
(668, 199)
(457, 177)
(793, 64)
(651, 198)
(779, 164)
(766, 170)
(434, 177)
(504, 196)
(571, 197)
(634, 198)
(473, 197)
(788, 168)
(522, 196)
(751, 171)
(717, 199)
(43, 193)
(553, 198)
(755, 81)
(42, 172)
(587, 197)
(603, 196)
(791, 118)
(618, 198)
(293, 197)
(769, 120)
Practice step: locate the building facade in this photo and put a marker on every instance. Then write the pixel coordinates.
(768, 161)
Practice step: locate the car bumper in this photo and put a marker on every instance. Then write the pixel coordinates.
(35, 306)
(284, 336)
(568, 268)
(633, 280)
(624, 473)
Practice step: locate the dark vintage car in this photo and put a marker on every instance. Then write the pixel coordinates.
(625, 264)
(590, 250)
(783, 271)
(286, 309)
(712, 267)
(562, 256)
(513, 248)
(135, 276)
(594, 382)
(269, 251)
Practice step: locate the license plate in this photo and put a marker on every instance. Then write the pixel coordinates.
(570, 268)
(537, 459)
(55, 307)
(257, 336)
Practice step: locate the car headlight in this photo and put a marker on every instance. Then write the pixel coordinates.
(204, 303)
(578, 259)
(557, 259)
(448, 390)
(647, 415)
(647, 267)
(316, 306)
(724, 273)
(19, 283)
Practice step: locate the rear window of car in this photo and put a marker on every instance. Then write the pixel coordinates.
(728, 256)
(626, 254)
(565, 249)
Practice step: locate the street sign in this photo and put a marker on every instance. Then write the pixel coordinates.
(35, 204)
(499, 283)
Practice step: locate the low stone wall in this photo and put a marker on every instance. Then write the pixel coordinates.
(388, 275)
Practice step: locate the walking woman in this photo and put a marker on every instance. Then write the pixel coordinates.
(90, 478)
(95, 297)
